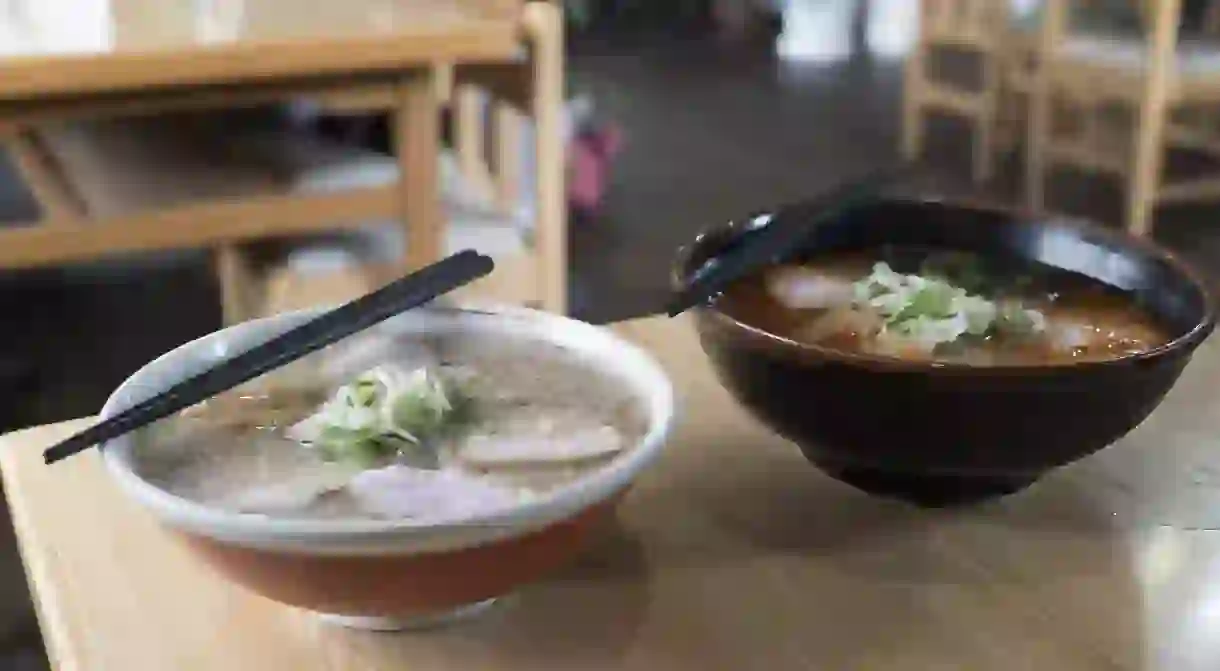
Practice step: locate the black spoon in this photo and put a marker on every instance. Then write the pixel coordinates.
(770, 242)
(400, 295)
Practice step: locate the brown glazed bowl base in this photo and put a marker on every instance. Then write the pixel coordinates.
(928, 490)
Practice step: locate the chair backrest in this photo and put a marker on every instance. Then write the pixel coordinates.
(1160, 21)
(967, 23)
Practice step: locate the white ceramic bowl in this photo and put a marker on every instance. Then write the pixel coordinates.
(388, 574)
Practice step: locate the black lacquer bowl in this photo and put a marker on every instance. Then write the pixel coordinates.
(941, 434)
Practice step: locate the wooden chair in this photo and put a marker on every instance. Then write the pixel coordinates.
(1017, 64)
(1020, 60)
(1155, 76)
(491, 106)
(978, 27)
(156, 189)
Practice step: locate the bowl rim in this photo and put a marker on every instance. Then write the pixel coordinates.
(650, 384)
(727, 230)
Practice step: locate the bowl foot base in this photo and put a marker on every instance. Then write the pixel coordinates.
(409, 623)
(930, 491)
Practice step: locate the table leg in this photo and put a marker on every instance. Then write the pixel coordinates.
(416, 129)
(240, 285)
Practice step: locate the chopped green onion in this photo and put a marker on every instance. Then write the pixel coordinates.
(419, 413)
(365, 392)
(933, 301)
(361, 446)
(931, 311)
(386, 412)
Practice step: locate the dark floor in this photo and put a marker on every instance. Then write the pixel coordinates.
(713, 131)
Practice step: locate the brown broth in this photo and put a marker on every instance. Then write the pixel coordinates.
(1111, 322)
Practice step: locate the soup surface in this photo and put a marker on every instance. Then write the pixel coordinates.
(944, 306)
(430, 430)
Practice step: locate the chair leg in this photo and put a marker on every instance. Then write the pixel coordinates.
(1037, 130)
(469, 137)
(1147, 161)
(416, 128)
(240, 285)
(544, 21)
(507, 156)
(1149, 156)
(983, 160)
(912, 110)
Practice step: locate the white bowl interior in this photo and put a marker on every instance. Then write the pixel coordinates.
(608, 353)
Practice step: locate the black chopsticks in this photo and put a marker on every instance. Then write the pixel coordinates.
(774, 240)
(403, 294)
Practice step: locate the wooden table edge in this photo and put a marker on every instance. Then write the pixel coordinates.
(44, 593)
(27, 79)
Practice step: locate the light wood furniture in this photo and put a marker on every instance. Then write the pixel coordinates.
(143, 57)
(1001, 37)
(732, 553)
(1156, 78)
(976, 27)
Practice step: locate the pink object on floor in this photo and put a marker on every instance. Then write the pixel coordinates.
(589, 164)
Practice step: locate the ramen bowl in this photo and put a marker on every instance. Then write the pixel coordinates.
(396, 574)
(936, 433)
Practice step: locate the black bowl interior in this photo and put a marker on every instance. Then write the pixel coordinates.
(1168, 290)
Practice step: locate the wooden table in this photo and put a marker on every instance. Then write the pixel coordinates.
(73, 60)
(731, 554)
(66, 59)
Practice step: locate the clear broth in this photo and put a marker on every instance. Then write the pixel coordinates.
(220, 451)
